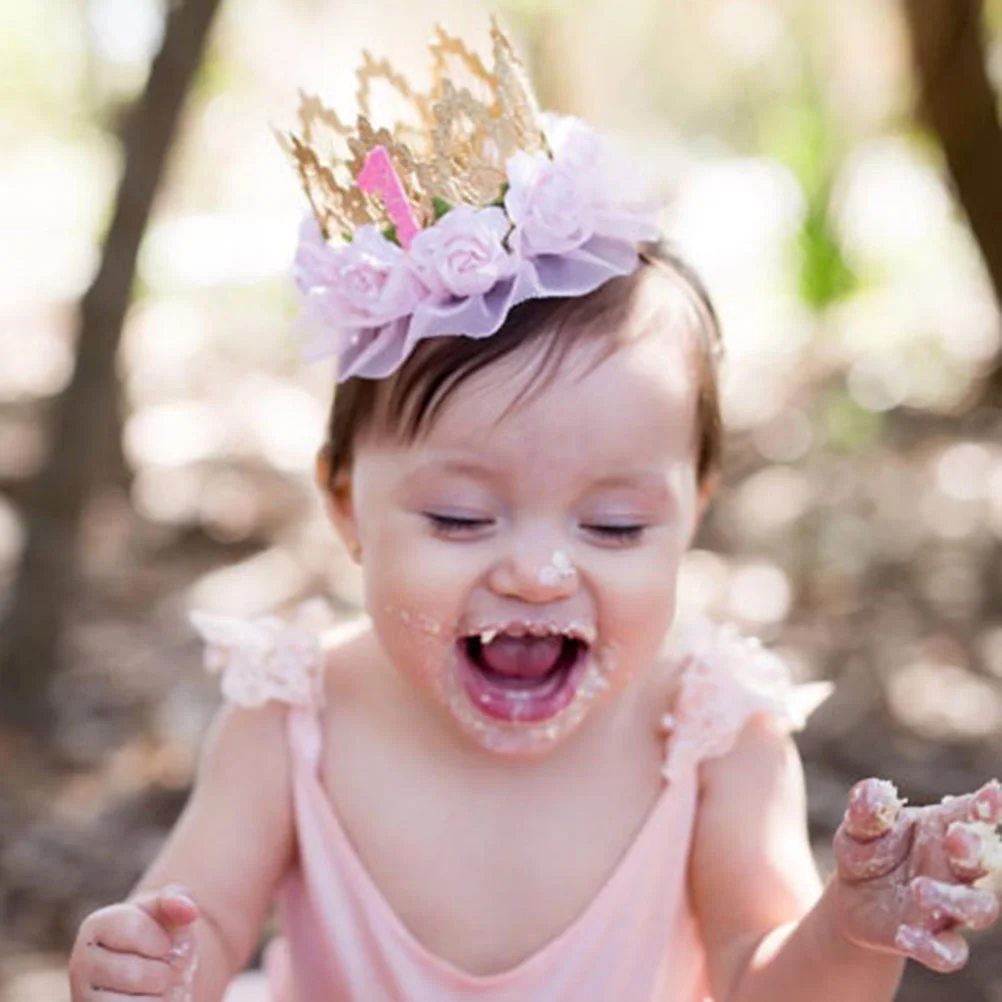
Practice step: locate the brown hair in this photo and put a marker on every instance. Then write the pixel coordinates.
(409, 400)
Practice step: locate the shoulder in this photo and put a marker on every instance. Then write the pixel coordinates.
(245, 742)
(351, 655)
(761, 751)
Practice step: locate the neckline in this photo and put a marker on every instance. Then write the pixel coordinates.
(540, 954)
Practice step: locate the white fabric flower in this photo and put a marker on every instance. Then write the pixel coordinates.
(551, 210)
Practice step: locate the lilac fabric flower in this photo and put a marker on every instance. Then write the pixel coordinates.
(366, 283)
(606, 178)
(574, 144)
(463, 254)
(551, 211)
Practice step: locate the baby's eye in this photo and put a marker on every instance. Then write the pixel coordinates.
(456, 525)
(617, 533)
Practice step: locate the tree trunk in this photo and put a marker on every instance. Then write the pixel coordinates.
(957, 100)
(86, 412)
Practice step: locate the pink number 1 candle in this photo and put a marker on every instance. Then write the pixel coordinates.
(378, 177)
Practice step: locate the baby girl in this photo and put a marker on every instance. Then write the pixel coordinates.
(518, 779)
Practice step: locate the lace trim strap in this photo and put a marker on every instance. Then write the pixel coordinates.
(727, 678)
(266, 658)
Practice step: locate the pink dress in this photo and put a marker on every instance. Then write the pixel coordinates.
(637, 941)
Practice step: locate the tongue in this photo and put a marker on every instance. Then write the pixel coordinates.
(529, 657)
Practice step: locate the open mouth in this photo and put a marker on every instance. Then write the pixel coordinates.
(521, 677)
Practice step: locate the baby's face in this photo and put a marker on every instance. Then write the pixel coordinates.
(520, 570)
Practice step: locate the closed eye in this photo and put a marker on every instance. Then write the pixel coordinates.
(454, 525)
(617, 533)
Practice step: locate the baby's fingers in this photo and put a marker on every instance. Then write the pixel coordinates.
(103, 995)
(875, 834)
(940, 901)
(129, 974)
(171, 907)
(873, 808)
(125, 929)
(972, 849)
(986, 805)
(944, 952)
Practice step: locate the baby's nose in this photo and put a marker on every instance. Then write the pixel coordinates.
(536, 575)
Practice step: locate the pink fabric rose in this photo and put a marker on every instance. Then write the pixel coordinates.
(463, 254)
(365, 283)
(551, 212)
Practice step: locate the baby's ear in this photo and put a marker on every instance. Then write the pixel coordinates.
(339, 504)
(322, 469)
(704, 496)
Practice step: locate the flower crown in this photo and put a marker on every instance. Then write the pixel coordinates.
(472, 203)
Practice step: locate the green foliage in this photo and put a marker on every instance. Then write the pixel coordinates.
(993, 16)
(441, 207)
(391, 234)
(499, 201)
(824, 276)
(848, 426)
(804, 135)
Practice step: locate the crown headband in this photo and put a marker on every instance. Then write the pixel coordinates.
(472, 203)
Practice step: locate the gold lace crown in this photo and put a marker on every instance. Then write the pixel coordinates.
(448, 146)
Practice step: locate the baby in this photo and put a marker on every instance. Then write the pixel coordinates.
(517, 780)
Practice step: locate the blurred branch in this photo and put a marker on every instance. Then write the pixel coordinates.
(957, 100)
(85, 413)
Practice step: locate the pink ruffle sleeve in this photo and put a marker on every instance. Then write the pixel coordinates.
(727, 678)
(264, 659)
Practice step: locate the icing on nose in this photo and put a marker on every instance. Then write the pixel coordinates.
(558, 569)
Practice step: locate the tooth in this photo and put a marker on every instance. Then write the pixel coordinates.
(487, 636)
(586, 634)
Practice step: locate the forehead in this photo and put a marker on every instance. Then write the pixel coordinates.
(633, 405)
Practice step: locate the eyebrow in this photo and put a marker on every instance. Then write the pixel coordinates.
(645, 479)
(640, 479)
(462, 467)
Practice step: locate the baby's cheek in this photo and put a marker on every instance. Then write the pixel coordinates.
(637, 614)
(415, 640)
(417, 575)
(414, 601)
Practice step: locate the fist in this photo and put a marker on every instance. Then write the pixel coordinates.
(143, 947)
(905, 875)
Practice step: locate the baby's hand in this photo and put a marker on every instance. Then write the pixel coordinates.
(144, 946)
(905, 873)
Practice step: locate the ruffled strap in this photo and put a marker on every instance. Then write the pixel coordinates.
(727, 678)
(265, 659)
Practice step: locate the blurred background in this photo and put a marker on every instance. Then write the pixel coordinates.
(833, 169)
